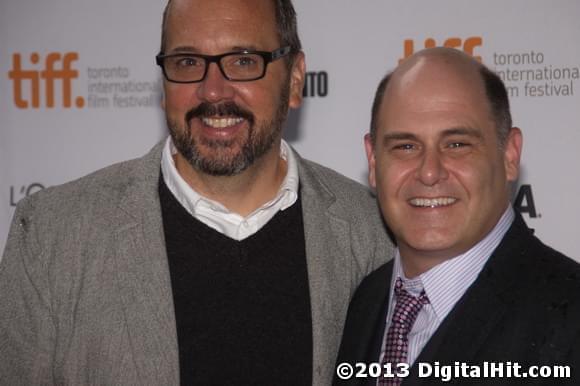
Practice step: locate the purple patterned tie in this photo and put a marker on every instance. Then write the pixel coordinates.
(407, 308)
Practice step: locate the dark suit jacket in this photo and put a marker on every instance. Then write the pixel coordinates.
(524, 307)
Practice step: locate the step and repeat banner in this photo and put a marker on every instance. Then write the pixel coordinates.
(80, 88)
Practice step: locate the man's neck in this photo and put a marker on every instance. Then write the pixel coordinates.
(414, 265)
(242, 193)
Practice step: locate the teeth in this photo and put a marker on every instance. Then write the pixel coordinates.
(220, 123)
(432, 202)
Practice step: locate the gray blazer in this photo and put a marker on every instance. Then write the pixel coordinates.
(85, 292)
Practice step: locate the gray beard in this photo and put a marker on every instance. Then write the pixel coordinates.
(260, 140)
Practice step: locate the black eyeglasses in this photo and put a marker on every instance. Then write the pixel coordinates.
(239, 66)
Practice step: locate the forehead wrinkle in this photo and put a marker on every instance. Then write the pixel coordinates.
(194, 50)
(184, 49)
(398, 136)
(409, 136)
(468, 131)
(405, 107)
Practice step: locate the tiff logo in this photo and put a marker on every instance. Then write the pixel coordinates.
(32, 78)
(468, 45)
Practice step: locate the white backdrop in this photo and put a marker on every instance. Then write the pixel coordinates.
(104, 102)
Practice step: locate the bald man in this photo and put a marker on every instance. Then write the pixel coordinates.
(470, 284)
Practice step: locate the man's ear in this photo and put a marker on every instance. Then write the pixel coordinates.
(297, 77)
(370, 150)
(512, 154)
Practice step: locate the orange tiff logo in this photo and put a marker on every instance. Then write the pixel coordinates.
(65, 73)
(468, 45)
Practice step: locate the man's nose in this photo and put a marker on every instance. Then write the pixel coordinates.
(431, 170)
(215, 87)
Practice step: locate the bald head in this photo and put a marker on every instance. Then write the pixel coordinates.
(434, 71)
(440, 161)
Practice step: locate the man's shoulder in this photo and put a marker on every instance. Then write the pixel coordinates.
(555, 272)
(541, 260)
(97, 190)
(547, 278)
(547, 294)
(108, 178)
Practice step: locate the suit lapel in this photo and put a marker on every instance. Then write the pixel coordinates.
(374, 304)
(464, 331)
(368, 315)
(378, 313)
(143, 276)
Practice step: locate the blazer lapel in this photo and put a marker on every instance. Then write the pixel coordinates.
(325, 254)
(143, 275)
(327, 237)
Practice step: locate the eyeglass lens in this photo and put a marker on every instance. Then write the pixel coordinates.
(191, 68)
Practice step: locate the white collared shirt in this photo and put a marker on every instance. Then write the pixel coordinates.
(444, 285)
(218, 217)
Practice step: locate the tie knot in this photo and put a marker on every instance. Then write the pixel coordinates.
(404, 297)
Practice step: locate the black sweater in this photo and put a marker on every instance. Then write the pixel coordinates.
(242, 307)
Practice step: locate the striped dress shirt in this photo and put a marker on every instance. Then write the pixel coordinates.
(444, 285)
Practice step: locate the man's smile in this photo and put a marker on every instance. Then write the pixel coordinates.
(220, 123)
(435, 202)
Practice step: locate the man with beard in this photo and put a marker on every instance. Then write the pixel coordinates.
(221, 257)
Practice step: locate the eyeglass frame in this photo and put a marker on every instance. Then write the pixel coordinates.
(267, 56)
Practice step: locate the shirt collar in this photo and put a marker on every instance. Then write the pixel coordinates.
(290, 183)
(189, 198)
(446, 283)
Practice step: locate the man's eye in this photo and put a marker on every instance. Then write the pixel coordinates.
(245, 61)
(458, 145)
(188, 62)
(404, 146)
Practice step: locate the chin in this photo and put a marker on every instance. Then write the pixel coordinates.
(436, 242)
